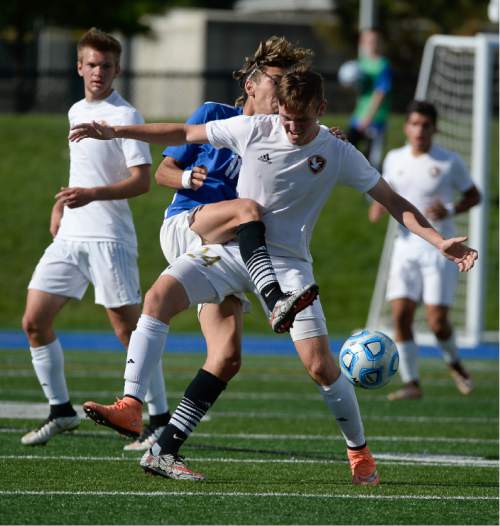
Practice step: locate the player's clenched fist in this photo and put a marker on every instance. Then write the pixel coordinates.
(198, 176)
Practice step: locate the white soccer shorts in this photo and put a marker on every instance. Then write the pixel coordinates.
(67, 267)
(421, 273)
(176, 236)
(213, 272)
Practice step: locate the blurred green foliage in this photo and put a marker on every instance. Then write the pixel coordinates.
(345, 246)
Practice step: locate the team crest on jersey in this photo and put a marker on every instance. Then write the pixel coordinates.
(435, 171)
(316, 163)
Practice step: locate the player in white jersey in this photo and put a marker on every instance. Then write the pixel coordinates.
(289, 166)
(430, 177)
(94, 236)
(205, 207)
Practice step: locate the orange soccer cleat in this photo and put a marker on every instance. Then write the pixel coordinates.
(124, 416)
(363, 467)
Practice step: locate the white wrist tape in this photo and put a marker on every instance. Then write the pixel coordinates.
(186, 179)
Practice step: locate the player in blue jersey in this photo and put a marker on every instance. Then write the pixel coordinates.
(203, 176)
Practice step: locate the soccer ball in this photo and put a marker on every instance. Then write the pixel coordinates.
(369, 359)
(349, 74)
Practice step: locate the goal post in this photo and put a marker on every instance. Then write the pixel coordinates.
(457, 75)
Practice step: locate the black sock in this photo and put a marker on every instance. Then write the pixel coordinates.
(253, 249)
(59, 410)
(159, 420)
(201, 393)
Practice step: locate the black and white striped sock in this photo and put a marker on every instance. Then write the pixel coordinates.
(253, 249)
(201, 393)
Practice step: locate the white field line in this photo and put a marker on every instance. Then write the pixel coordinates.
(382, 459)
(241, 494)
(27, 410)
(281, 375)
(237, 396)
(308, 438)
(382, 418)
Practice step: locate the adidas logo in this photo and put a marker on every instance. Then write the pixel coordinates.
(265, 158)
(130, 361)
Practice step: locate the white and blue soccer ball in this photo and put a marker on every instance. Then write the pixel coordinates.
(349, 74)
(369, 359)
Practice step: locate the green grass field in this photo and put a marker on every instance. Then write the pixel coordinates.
(271, 452)
(345, 246)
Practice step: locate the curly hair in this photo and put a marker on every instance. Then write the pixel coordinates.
(100, 41)
(275, 51)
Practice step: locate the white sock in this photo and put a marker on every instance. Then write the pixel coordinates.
(48, 361)
(156, 396)
(144, 353)
(342, 402)
(449, 349)
(408, 361)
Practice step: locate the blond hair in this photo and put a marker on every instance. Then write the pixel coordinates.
(275, 51)
(99, 40)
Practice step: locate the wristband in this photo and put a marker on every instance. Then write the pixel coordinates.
(186, 179)
(450, 208)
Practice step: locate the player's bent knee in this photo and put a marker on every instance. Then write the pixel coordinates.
(317, 371)
(248, 210)
(166, 298)
(32, 326)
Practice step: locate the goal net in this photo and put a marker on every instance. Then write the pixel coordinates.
(460, 76)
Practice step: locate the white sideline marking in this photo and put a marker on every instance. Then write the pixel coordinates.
(240, 494)
(27, 410)
(327, 438)
(382, 458)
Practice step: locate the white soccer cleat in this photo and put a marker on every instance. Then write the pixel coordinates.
(290, 305)
(147, 438)
(409, 391)
(462, 378)
(50, 427)
(169, 466)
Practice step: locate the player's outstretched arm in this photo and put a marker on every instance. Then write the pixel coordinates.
(167, 134)
(409, 216)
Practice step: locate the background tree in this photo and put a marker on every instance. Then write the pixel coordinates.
(21, 20)
(406, 25)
